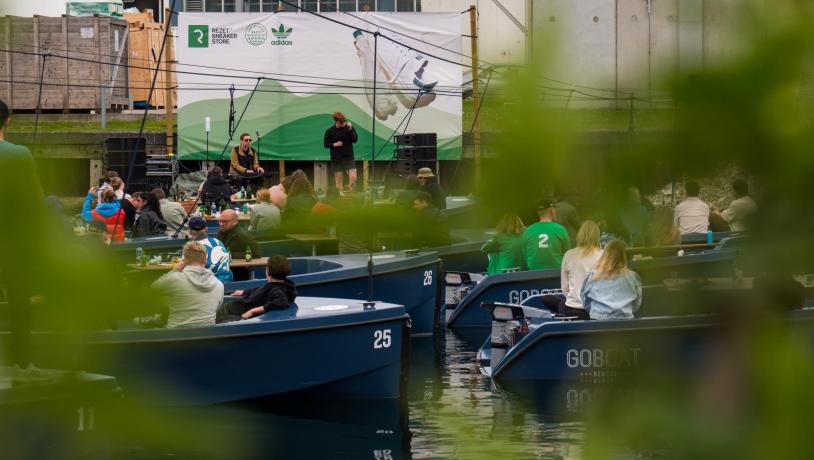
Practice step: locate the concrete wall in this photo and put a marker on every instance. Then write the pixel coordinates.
(501, 41)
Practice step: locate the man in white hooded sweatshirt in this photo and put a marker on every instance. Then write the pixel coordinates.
(193, 293)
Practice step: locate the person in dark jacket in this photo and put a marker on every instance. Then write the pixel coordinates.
(245, 163)
(129, 211)
(406, 197)
(216, 190)
(431, 228)
(149, 220)
(234, 237)
(340, 139)
(428, 184)
(277, 294)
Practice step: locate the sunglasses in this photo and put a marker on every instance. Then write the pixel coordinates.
(247, 140)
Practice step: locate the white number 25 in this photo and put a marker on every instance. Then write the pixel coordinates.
(428, 278)
(381, 338)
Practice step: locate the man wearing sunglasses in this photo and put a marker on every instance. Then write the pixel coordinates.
(245, 162)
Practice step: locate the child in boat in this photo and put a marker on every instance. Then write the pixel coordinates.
(612, 291)
(277, 294)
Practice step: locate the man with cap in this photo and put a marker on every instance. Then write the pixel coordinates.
(217, 255)
(427, 183)
(545, 242)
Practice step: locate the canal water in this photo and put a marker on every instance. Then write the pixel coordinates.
(450, 411)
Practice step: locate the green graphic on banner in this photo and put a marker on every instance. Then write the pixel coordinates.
(198, 36)
(291, 127)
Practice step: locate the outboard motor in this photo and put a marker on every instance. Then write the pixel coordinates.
(457, 285)
(508, 321)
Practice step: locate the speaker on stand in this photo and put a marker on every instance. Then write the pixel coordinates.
(420, 150)
(127, 156)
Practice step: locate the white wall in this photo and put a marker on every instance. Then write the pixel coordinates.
(31, 7)
(500, 40)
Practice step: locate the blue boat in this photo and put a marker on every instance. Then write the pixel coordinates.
(462, 254)
(516, 287)
(528, 349)
(403, 278)
(324, 348)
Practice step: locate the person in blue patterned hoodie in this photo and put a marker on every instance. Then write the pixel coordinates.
(217, 254)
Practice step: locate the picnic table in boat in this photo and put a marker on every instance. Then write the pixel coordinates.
(235, 263)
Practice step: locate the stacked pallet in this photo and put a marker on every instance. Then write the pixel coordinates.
(86, 54)
(145, 44)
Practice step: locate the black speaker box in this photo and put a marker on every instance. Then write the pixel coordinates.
(417, 153)
(418, 139)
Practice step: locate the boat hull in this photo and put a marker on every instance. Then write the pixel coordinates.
(335, 356)
(516, 287)
(404, 280)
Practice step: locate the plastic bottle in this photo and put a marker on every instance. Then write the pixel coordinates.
(242, 192)
(246, 208)
(710, 237)
(139, 253)
(248, 254)
(214, 209)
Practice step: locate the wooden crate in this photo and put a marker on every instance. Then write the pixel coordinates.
(145, 45)
(87, 53)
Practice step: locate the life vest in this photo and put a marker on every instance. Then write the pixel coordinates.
(113, 223)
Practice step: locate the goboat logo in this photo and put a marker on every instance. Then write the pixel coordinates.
(281, 34)
(198, 36)
(256, 34)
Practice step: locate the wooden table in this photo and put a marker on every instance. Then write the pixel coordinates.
(240, 217)
(235, 263)
(244, 200)
(312, 238)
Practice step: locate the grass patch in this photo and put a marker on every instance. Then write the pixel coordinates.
(113, 126)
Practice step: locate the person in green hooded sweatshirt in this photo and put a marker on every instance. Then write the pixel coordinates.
(505, 250)
(545, 242)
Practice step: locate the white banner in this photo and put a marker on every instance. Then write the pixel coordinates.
(312, 67)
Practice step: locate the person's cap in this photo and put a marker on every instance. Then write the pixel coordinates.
(425, 172)
(197, 223)
(545, 203)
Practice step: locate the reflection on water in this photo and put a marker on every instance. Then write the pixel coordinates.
(451, 411)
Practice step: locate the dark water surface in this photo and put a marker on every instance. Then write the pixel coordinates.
(451, 411)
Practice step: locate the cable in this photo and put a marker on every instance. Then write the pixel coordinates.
(231, 135)
(181, 72)
(149, 98)
(410, 36)
(369, 32)
(480, 103)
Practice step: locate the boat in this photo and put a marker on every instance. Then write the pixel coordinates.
(462, 254)
(516, 287)
(528, 350)
(408, 278)
(325, 348)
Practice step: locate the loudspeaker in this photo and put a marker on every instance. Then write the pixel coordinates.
(418, 139)
(417, 153)
(117, 157)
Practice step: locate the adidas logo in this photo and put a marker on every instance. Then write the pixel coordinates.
(281, 33)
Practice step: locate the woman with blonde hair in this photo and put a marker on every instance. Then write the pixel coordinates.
(663, 230)
(505, 250)
(612, 291)
(265, 215)
(576, 264)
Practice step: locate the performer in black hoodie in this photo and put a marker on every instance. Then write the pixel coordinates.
(216, 189)
(277, 294)
(340, 139)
